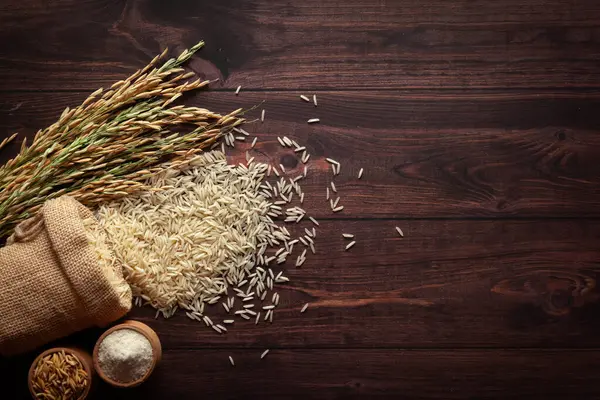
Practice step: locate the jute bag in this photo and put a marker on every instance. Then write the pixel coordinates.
(57, 277)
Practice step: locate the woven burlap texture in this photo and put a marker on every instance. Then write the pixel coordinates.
(51, 284)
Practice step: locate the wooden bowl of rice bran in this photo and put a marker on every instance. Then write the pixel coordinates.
(83, 357)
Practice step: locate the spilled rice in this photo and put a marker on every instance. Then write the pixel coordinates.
(216, 233)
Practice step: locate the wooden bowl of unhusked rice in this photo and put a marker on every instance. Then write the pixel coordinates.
(126, 354)
(61, 373)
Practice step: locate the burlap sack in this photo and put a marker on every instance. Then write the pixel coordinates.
(53, 280)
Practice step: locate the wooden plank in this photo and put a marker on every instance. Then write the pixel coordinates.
(456, 154)
(381, 374)
(358, 374)
(446, 284)
(263, 44)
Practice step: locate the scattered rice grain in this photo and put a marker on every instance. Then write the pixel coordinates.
(335, 203)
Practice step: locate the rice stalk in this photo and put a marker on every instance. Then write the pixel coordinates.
(105, 148)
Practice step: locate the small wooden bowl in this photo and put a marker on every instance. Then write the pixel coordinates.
(82, 356)
(140, 328)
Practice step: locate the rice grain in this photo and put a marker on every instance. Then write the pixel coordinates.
(225, 242)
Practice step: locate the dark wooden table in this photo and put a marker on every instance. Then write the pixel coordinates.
(478, 125)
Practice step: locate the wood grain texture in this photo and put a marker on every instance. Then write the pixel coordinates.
(477, 124)
(341, 44)
(446, 284)
(457, 154)
(359, 374)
